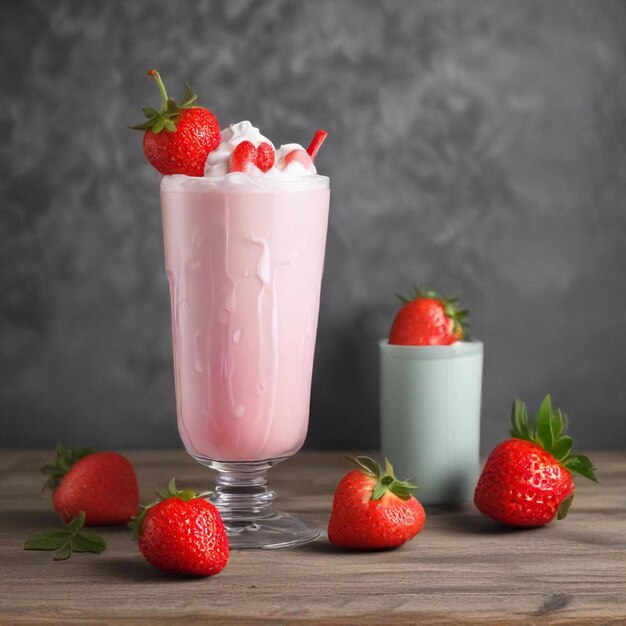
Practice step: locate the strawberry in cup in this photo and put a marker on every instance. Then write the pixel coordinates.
(430, 396)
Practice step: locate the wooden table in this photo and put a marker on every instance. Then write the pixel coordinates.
(462, 569)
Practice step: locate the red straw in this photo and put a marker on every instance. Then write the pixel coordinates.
(316, 143)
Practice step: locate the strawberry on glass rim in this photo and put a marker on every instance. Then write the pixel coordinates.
(527, 480)
(179, 137)
(428, 319)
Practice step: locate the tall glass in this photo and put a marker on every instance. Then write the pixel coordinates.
(244, 264)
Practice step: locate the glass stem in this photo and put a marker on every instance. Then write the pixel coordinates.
(241, 492)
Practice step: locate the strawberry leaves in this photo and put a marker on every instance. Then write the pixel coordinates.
(519, 421)
(386, 481)
(365, 464)
(547, 430)
(66, 457)
(564, 507)
(580, 464)
(65, 541)
(166, 118)
(563, 447)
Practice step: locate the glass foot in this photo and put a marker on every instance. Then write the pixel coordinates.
(246, 505)
(280, 530)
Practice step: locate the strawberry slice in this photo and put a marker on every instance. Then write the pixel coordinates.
(243, 158)
(299, 156)
(265, 156)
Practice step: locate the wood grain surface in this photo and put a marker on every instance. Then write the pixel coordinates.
(461, 570)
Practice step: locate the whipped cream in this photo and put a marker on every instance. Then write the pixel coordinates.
(295, 173)
(303, 167)
(218, 161)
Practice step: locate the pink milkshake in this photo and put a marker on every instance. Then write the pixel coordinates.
(244, 257)
(244, 227)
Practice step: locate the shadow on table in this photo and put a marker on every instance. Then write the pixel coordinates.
(29, 519)
(137, 570)
(47, 518)
(468, 521)
(320, 546)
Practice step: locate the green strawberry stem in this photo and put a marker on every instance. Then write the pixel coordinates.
(166, 118)
(161, 86)
(65, 541)
(65, 459)
(385, 481)
(547, 430)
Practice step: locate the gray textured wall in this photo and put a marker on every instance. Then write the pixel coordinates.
(477, 147)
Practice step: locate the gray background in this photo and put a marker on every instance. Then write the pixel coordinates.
(477, 147)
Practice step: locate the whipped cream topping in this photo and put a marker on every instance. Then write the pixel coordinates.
(218, 161)
(302, 167)
(289, 173)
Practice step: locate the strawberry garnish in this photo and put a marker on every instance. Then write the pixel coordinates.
(372, 509)
(427, 318)
(179, 137)
(243, 158)
(299, 156)
(316, 143)
(265, 156)
(246, 156)
(103, 485)
(527, 480)
(182, 533)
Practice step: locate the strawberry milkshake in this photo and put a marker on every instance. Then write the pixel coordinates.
(244, 254)
(244, 227)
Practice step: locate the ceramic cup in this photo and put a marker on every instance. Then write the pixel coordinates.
(430, 417)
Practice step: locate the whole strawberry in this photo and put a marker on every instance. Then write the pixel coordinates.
(102, 484)
(527, 480)
(182, 533)
(428, 319)
(179, 137)
(373, 510)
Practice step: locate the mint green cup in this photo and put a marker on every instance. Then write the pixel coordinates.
(430, 417)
